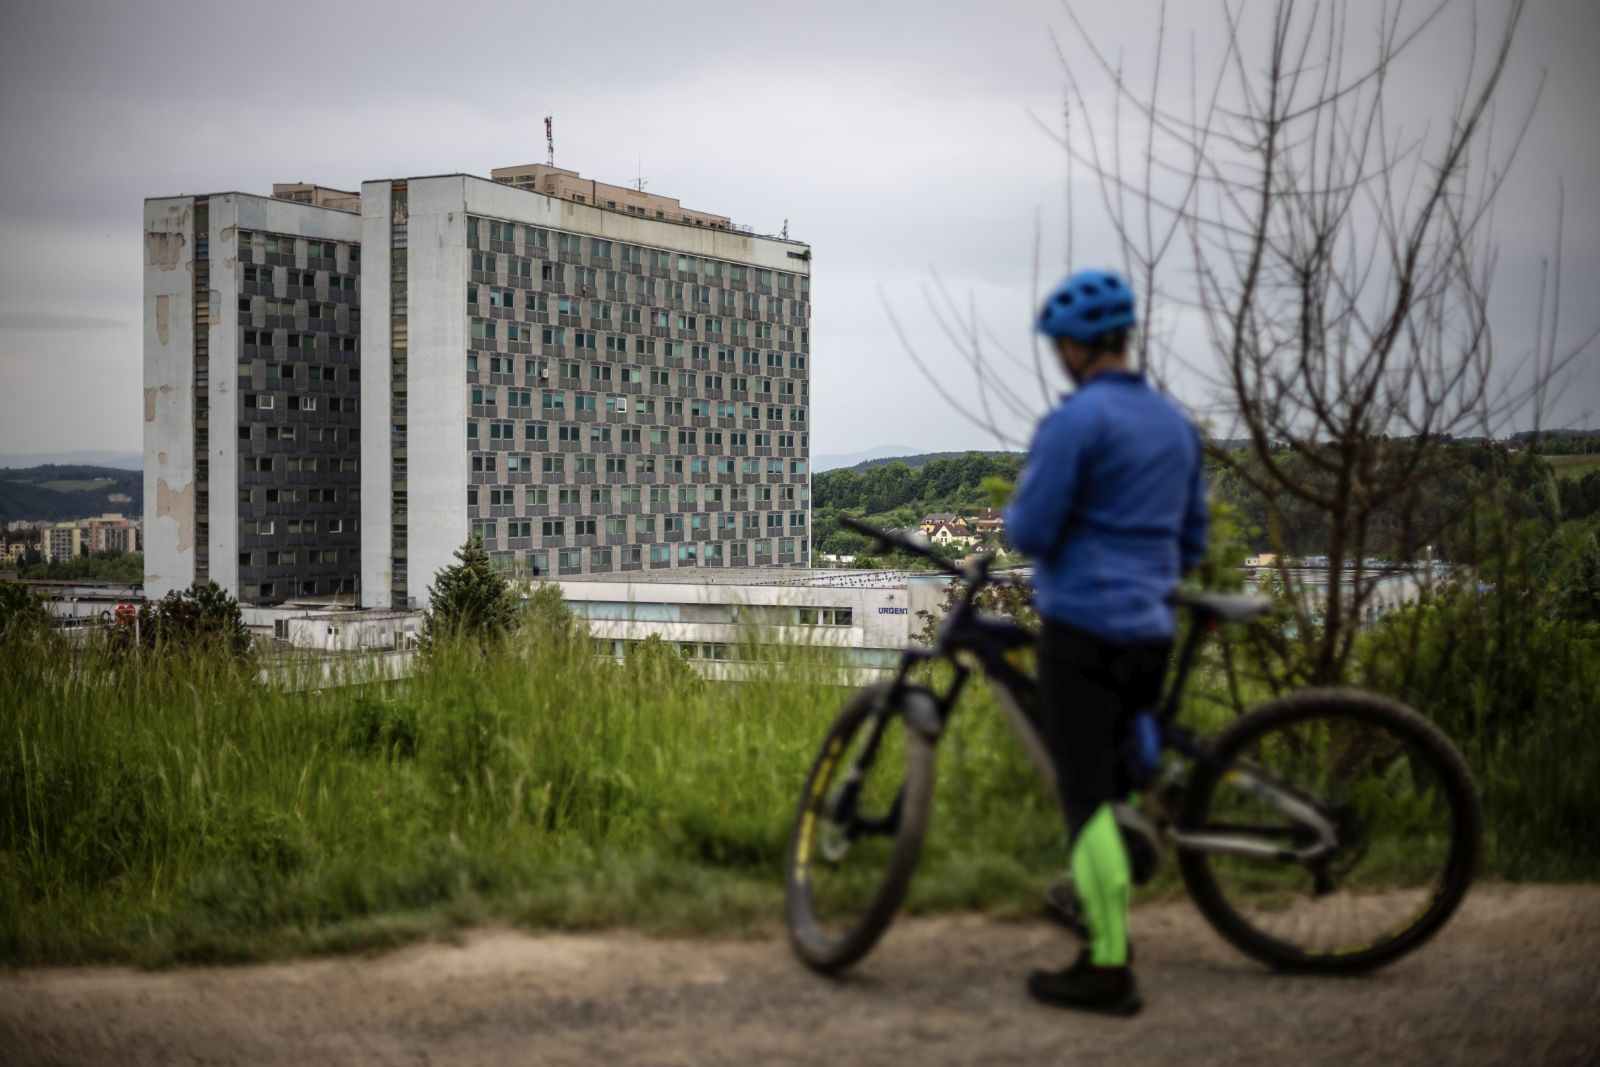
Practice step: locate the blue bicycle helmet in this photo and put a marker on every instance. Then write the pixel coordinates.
(1088, 304)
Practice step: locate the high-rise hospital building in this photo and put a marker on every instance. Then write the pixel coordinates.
(252, 382)
(589, 378)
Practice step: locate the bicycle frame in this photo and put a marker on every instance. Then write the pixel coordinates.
(970, 640)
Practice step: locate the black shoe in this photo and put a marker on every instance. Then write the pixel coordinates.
(1061, 903)
(1108, 990)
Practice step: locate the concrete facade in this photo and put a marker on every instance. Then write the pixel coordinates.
(251, 368)
(169, 371)
(866, 617)
(586, 389)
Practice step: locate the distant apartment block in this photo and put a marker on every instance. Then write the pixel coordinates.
(60, 541)
(589, 378)
(252, 392)
(111, 533)
(105, 533)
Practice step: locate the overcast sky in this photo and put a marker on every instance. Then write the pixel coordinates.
(898, 138)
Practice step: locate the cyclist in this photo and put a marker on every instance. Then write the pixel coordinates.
(1111, 508)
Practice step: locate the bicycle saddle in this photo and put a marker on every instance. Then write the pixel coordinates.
(1224, 607)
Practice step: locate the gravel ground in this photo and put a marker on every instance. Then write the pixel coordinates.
(1514, 979)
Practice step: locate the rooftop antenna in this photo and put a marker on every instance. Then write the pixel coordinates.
(641, 181)
(550, 138)
(785, 229)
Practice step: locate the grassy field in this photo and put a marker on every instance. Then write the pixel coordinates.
(78, 486)
(1574, 466)
(178, 810)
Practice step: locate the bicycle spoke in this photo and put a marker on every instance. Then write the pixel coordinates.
(1392, 828)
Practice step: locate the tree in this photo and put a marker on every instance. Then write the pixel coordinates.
(201, 618)
(1338, 262)
(656, 665)
(22, 613)
(469, 600)
(1342, 269)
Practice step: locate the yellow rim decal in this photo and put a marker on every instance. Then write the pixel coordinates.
(802, 856)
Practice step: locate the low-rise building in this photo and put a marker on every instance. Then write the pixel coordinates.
(719, 619)
(953, 533)
(990, 522)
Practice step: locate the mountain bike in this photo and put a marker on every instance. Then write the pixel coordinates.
(1329, 830)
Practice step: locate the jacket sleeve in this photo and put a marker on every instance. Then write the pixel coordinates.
(1044, 499)
(1196, 518)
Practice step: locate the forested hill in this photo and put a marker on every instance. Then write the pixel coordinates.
(56, 493)
(921, 460)
(937, 484)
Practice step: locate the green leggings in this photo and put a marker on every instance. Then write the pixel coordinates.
(1100, 874)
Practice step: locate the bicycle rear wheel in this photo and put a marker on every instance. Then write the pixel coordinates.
(1405, 822)
(859, 830)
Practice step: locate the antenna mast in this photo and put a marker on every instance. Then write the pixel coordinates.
(550, 139)
(641, 181)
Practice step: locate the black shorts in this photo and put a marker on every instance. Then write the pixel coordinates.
(1089, 690)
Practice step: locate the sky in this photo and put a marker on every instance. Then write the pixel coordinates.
(908, 142)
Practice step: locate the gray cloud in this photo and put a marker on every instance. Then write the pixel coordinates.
(49, 320)
(895, 137)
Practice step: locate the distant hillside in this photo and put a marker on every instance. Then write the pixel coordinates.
(825, 461)
(57, 493)
(922, 459)
(127, 461)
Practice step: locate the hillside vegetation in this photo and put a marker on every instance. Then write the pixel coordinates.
(55, 493)
(893, 494)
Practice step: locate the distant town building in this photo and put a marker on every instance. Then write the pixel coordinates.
(62, 541)
(953, 533)
(989, 522)
(111, 533)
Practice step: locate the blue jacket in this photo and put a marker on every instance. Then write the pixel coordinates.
(1112, 508)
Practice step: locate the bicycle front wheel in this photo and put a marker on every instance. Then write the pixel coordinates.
(859, 830)
(1376, 872)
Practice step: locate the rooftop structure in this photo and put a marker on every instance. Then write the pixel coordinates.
(317, 196)
(570, 185)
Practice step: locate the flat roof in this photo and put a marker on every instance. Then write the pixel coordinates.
(763, 576)
(733, 229)
(260, 196)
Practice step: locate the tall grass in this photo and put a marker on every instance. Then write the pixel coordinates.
(175, 808)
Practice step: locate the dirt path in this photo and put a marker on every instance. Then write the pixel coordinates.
(1514, 979)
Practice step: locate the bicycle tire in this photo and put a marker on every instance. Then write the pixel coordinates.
(1424, 741)
(831, 952)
